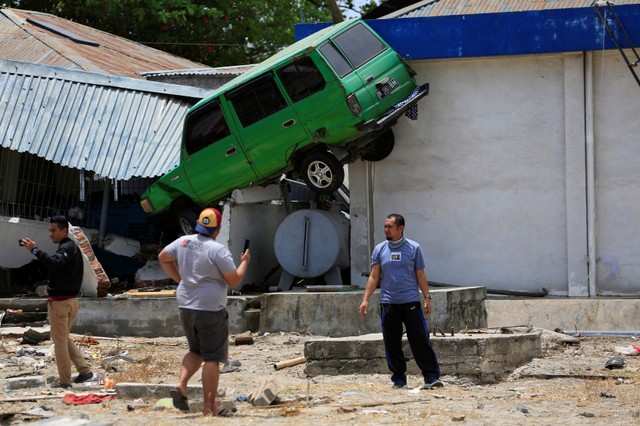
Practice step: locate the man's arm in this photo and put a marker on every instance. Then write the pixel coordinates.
(372, 284)
(169, 265)
(53, 262)
(421, 275)
(234, 278)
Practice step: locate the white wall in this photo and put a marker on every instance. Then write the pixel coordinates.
(492, 176)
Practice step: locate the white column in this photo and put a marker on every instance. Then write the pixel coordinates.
(575, 175)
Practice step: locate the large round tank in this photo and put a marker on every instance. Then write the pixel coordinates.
(308, 243)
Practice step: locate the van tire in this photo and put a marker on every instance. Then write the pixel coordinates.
(186, 221)
(380, 147)
(322, 172)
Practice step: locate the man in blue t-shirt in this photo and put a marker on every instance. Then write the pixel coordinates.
(398, 266)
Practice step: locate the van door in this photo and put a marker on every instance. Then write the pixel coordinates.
(378, 66)
(315, 92)
(214, 161)
(268, 126)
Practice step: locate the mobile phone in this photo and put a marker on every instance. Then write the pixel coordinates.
(21, 242)
(246, 246)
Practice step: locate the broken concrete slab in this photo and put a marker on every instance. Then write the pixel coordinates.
(483, 356)
(156, 390)
(27, 382)
(453, 308)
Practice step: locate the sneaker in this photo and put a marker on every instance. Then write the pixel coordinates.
(399, 386)
(432, 385)
(83, 377)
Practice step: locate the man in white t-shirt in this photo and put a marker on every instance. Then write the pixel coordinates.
(203, 268)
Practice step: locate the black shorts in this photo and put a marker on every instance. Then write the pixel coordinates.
(207, 333)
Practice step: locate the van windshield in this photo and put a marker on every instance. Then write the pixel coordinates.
(359, 45)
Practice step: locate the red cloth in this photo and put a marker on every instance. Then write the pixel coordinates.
(91, 398)
(59, 298)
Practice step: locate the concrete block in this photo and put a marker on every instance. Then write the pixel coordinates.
(459, 355)
(27, 382)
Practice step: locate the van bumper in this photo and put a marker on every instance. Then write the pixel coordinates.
(393, 113)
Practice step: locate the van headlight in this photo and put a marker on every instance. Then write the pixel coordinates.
(146, 205)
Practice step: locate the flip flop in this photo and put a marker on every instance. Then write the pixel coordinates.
(180, 401)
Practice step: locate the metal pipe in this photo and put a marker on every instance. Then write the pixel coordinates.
(103, 214)
(591, 176)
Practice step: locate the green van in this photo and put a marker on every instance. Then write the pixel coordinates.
(318, 104)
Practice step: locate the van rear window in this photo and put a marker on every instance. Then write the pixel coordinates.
(359, 45)
(301, 79)
(335, 58)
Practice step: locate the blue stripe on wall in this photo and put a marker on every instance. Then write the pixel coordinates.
(493, 34)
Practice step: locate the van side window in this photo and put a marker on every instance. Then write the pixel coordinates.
(204, 127)
(359, 44)
(257, 100)
(301, 79)
(335, 58)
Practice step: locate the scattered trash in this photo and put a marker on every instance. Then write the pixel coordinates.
(458, 418)
(607, 395)
(136, 403)
(33, 337)
(40, 411)
(229, 368)
(31, 352)
(289, 411)
(289, 363)
(374, 411)
(242, 398)
(587, 414)
(344, 410)
(109, 383)
(87, 341)
(243, 340)
(415, 391)
(523, 409)
(630, 350)
(615, 362)
(84, 399)
(164, 404)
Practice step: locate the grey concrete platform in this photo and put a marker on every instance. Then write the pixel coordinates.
(148, 317)
(336, 314)
(485, 357)
(614, 314)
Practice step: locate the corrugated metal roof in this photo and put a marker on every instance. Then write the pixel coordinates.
(231, 70)
(428, 8)
(26, 39)
(117, 127)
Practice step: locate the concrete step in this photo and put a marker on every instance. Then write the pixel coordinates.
(484, 356)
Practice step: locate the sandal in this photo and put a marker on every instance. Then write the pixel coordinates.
(180, 401)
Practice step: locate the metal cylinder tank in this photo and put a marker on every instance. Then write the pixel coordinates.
(308, 243)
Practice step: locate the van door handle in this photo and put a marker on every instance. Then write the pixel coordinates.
(369, 79)
(289, 123)
(231, 151)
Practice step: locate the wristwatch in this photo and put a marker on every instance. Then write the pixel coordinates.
(34, 251)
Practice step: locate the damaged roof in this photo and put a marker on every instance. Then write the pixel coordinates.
(230, 70)
(117, 127)
(427, 8)
(47, 39)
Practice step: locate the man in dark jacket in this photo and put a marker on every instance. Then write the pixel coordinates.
(64, 269)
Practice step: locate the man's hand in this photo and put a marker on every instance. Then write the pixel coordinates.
(29, 244)
(246, 256)
(363, 308)
(427, 306)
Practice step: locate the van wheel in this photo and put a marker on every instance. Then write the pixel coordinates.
(380, 148)
(186, 221)
(322, 172)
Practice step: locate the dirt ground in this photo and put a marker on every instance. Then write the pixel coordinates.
(523, 398)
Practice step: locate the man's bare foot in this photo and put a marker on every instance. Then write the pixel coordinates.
(211, 409)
